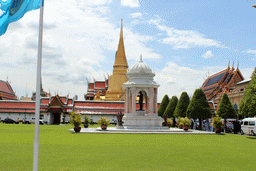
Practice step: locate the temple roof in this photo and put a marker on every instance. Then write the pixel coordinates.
(6, 91)
(224, 79)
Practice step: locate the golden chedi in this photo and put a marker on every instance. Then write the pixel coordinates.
(115, 91)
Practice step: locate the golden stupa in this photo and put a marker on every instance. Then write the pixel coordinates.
(115, 91)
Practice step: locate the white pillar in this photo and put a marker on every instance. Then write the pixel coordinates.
(151, 102)
(126, 103)
(133, 99)
(146, 103)
(155, 100)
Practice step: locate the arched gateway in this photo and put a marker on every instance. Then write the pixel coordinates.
(141, 81)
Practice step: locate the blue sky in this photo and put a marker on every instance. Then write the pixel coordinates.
(180, 39)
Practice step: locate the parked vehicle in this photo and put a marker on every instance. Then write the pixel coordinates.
(9, 120)
(25, 121)
(248, 126)
(41, 122)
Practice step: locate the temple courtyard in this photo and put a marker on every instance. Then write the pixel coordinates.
(114, 130)
(60, 149)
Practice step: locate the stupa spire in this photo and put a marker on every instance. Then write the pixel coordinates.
(120, 60)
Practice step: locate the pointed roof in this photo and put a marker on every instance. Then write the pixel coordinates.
(120, 59)
(224, 79)
(56, 101)
(6, 91)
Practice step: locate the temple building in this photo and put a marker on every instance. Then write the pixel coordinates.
(6, 92)
(111, 89)
(235, 94)
(96, 90)
(43, 93)
(221, 82)
(229, 81)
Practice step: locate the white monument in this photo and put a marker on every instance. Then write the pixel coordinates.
(141, 81)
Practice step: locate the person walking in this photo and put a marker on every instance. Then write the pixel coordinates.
(192, 124)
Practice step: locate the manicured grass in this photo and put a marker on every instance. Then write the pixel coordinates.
(63, 150)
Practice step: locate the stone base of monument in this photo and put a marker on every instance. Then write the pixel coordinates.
(140, 120)
(119, 127)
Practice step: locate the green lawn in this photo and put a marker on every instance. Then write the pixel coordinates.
(63, 150)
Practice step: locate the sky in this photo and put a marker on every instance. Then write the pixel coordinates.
(183, 41)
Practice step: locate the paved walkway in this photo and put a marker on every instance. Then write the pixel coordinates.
(114, 130)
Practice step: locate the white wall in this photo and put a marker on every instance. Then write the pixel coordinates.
(46, 117)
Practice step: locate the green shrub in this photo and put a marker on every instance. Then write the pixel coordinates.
(86, 119)
(163, 105)
(185, 121)
(75, 119)
(216, 122)
(171, 106)
(103, 121)
(182, 105)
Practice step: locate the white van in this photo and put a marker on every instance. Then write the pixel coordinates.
(248, 126)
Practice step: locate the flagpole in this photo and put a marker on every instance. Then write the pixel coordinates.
(38, 90)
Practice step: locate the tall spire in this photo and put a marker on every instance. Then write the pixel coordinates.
(120, 59)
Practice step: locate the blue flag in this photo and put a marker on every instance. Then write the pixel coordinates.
(13, 10)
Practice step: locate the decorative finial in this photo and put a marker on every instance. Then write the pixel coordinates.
(140, 57)
(228, 62)
(237, 64)
(233, 64)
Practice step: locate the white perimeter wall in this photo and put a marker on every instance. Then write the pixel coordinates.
(15, 116)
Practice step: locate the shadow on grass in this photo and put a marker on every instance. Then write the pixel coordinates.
(220, 134)
(253, 138)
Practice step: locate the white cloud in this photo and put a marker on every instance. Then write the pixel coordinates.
(75, 42)
(135, 15)
(208, 54)
(130, 3)
(135, 45)
(184, 38)
(251, 51)
(1, 12)
(93, 2)
(175, 79)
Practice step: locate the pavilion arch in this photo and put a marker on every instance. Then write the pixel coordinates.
(141, 82)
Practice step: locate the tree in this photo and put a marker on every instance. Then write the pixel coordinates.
(226, 109)
(182, 105)
(163, 105)
(199, 107)
(252, 107)
(250, 92)
(171, 106)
